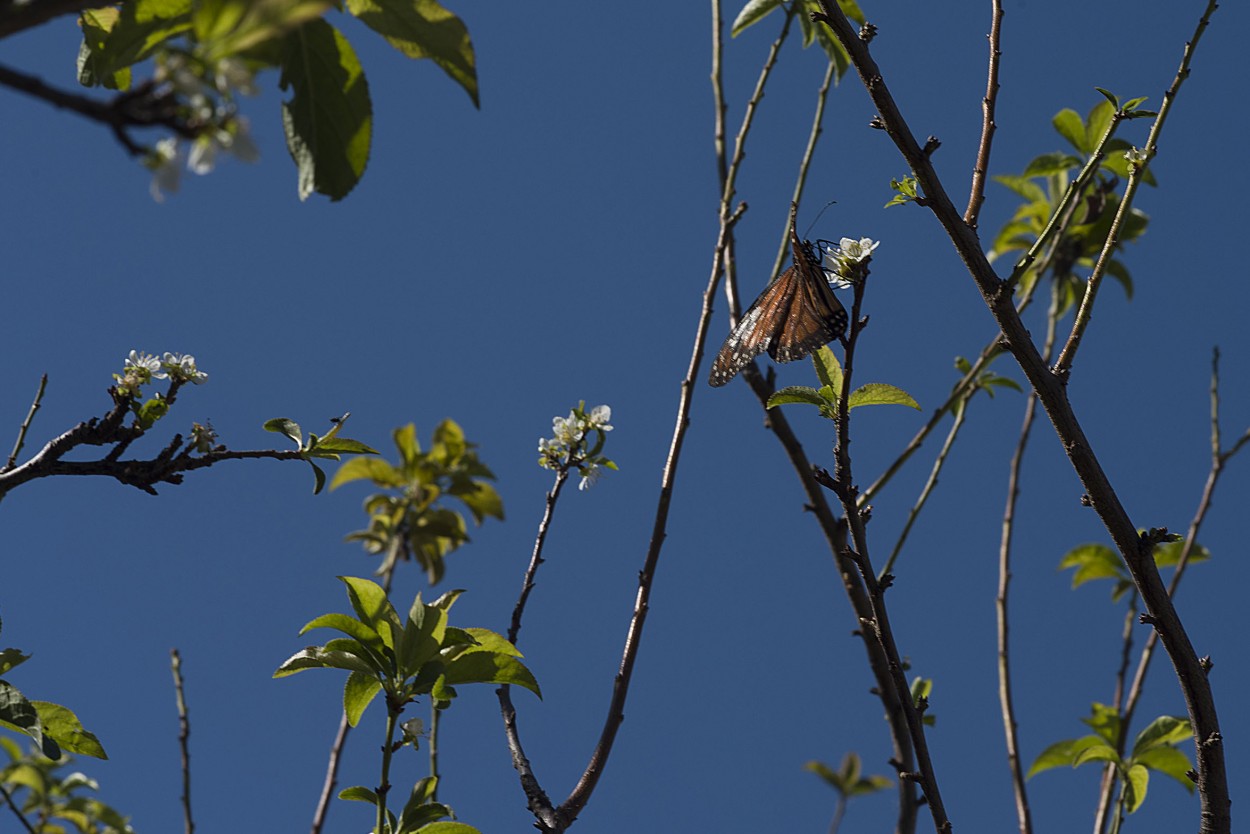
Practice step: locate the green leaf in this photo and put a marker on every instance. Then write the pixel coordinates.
(1099, 120)
(825, 772)
(376, 470)
(1051, 163)
(349, 626)
(489, 641)
(1169, 761)
(371, 605)
(1164, 731)
(1167, 555)
(880, 393)
(753, 12)
(796, 394)
(290, 428)
(491, 667)
(316, 657)
(1093, 561)
(1135, 783)
(319, 478)
(447, 827)
(329, 119)
(1069, 125)
(228, 27)
(343, 445)
(358, 693)
(1115, 102)
(828, 368)
(1104, 720)
(1024, 187)
(61, 723)
(1061, 753)
(423, 29)
(359, 793)
(1096, 753)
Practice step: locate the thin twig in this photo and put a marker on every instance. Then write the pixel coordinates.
(17, 16)
(842, 484)
(729, 182)
(25, 427)
(1136, 550)
(539, 803)
(8, 799)
(147, 105)
(988, 126)
(1006, 703)
(805, 164)
(1136, 173)
(580, 795)
(184, 733)
(961, 413)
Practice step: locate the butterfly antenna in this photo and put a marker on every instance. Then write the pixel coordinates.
(817, 217)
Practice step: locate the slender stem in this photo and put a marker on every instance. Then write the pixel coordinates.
(729, 182)
(8, 800)
(839, 811)
(17, 17)
(536, 556)
(580, 794)
(184, 733)
(436, 715)
(805, 164)
(982, 167)
(1006, 702)
(1136, 171)
(25, 427)
(1160, 612)
(388, 750)
(961, 412)
(842, 485)
(332, 771)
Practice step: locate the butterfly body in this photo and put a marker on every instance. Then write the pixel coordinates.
(794, 315)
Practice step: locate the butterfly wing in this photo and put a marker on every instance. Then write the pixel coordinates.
(757, 329)
(795, 315)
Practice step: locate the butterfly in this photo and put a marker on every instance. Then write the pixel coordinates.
(794, 315)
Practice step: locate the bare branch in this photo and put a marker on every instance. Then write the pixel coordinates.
(184, 733)
(1191, 674)
(982, 167)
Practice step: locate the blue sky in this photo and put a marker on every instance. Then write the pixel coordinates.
(498, 266)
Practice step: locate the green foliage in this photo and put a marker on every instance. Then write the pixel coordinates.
(51, 726)
(410, 521)
(848, 780)
(756, 10)
(1154, 748)
(905, 191)
(829, 372)
(1045, 181)
(1098, 561)
(406, 658)
(329, 447)
(47, 797)
(921, 689)
(328, 119)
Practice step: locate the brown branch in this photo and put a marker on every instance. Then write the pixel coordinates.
(20, 443)
(1006, 703)
(982, 166)
(184, 733)
(8, 800)
(1136, 171)
(17, 17)
(878, 624)
(147, 105)
(1191, 674)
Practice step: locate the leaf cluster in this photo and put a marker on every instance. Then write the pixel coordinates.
(1046, 179)
(1153, 749)
(1098, 561)
(829, 371)
(328, 119)
(49, 796)
(327, 447)
(756, 10)
(409, 520)
(406, 657)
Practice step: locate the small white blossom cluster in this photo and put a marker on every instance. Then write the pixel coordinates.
(570, 445)
(211, 105)
(846, 263)
(1136, 157)
(141, 368)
